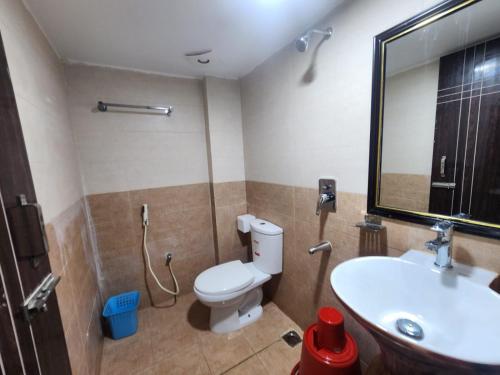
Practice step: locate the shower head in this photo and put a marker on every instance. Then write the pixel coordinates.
(302, 42)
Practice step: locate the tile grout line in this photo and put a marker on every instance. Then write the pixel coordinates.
(251, 356)
(257, 352)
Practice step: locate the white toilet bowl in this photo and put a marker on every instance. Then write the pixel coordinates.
(233, 290)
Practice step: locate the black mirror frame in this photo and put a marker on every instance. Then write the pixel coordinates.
(433, 14)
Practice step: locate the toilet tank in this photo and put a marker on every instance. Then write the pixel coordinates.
(267, 246)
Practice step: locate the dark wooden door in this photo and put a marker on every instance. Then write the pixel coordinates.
(450, 136)
(467, 135)
(484, 202)
(10, 353)
(36, 346)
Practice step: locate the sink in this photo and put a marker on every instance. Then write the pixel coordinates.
(456, 310)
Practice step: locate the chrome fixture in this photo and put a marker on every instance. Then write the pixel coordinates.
(36, 302)
(442, 245)
(322, 246)
(409, 328)
(372, 223)
(302, 42)
(167, 110)
(444, 185)
(168, 258)
(327, 198)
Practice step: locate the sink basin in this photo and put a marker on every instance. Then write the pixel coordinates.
(457, 311)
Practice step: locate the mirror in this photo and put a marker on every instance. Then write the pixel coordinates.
(435, 149)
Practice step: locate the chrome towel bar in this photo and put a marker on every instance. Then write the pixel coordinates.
(167, 110)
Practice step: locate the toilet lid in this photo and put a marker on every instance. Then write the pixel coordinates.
(224, 278)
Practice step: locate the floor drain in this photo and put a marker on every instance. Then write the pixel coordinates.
(409, 328)
(292, 338)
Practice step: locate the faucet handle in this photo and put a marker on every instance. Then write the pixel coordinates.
(442, 226)
(432, 245)
(326, 195)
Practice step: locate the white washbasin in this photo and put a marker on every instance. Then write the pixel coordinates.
(458, 312)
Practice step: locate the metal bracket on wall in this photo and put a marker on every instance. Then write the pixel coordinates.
(28, 230)
(372, 223)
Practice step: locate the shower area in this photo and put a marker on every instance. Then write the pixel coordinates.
(184, 162)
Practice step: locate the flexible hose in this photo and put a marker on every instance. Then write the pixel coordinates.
(148, 260)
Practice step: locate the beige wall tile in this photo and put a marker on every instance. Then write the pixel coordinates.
(224, 129)
(133, 151)
(39, 86)
(228, 201)
(180, 223)
(297, 129)
(405, 191)
(304, 285)
(230, 193)
(78, 293)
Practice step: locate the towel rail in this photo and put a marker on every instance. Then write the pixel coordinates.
(167, 110)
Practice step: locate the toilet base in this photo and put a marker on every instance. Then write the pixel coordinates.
(231, 318)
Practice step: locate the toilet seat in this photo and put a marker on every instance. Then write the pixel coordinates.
(224, 279)
(233, 290)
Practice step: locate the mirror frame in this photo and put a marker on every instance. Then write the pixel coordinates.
(423, 19)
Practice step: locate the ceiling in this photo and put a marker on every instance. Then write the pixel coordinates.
(154, 35)
(453, 33)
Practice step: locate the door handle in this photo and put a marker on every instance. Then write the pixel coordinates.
(36, 302)
(442, 168)
(444, 185)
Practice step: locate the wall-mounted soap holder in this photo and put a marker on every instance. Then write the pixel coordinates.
(372, 223)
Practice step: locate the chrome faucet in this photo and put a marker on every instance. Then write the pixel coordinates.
(323, 199)
(322, 246)
(442, 245)
(326, 195)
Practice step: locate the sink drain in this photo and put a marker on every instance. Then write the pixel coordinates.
(409, 328)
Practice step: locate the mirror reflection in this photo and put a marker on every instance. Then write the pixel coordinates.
(441, 117)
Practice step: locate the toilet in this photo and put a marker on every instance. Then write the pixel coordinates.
(233, 290)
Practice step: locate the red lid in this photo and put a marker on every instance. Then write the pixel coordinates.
(331, 335)
(327, 348)
(331, 316)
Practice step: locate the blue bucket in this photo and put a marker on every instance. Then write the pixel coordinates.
(120, 313)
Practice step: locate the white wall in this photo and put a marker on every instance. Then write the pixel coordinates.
(224, 129)
(409, 120)
(39, 86)
(295, 132)
(130, 151)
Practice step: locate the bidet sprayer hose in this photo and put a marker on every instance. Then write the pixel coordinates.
(148, 260)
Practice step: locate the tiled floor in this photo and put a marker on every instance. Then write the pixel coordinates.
(177, 340)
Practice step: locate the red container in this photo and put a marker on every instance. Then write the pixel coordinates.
(327, 349)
